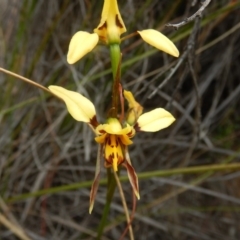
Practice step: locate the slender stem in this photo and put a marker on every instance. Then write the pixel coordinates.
(111, 188)
(115, 55)
(116, 70)
(124, 205)
(132, 215)
(25, 79)
(29, 81)
(121, 103)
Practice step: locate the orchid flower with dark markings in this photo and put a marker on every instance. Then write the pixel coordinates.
(109, 32)
(116, 134)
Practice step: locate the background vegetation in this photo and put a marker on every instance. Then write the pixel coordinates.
(47, 159)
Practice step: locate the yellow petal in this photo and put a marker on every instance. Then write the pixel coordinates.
(155, 120)
(81, 44)
(135, 109)
(110, 8)
(80, 108)
(113, 152)
(125, 140)
(159, 41)
(113, 127)
(101, 139)
(111, 25)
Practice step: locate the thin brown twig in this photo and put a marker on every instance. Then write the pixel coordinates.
(194, 2)
(191, 55)
(124, 205)
(132, 215)
(173, 70)
(193, 17)
(29, 81)
(25, 79)
(185, 54)
(176, 67)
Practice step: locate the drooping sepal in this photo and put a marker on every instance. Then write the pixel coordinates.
(134, 108)
(154, 120)
(81, 44)
(79, 107)
(132, 176)
(95, 183)
(159, 41)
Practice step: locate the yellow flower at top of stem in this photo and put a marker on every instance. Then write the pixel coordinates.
(111, 25)
(109, 31)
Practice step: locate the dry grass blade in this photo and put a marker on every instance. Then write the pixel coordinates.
(13, 228)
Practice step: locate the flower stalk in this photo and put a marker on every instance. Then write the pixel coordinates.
(124, 205)
(115, 55)
(116, 69)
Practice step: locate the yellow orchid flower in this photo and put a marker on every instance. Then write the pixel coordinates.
(114, 136)
(109, 31)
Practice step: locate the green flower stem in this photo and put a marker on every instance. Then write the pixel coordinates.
(115, 54)
(110, 192)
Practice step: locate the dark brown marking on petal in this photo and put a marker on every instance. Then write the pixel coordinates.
(132, 177)
(109, 141)
(103, 26)
(94, 122)
(137, 127)
(110, 158)
(117, 142)
(118, 23)
(130, 133)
